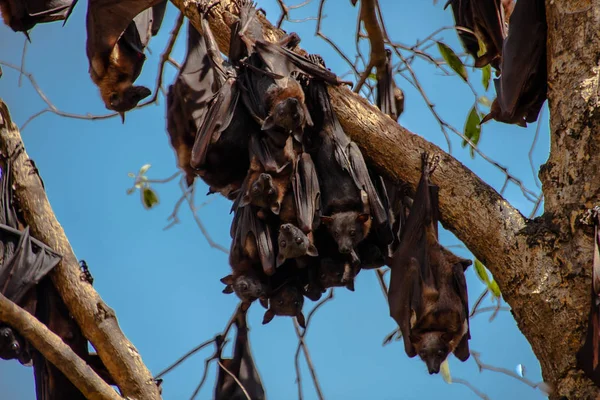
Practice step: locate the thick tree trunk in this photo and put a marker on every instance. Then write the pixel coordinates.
(541, 266)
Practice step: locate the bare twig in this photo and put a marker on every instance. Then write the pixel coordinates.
(25, 44)
(235, 379)
(470, 386)
(56, 351)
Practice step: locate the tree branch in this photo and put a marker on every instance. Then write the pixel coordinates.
(97, 321)
(56, 351)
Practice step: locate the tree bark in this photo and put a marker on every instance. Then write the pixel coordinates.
(542, 266)
(96, 319)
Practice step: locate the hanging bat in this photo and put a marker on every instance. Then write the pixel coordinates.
(307, 193)
(508, 6)
(273, 95)
(348, 196)
(252, 241)
(287, 300)
(390, 98)
(486, 19)
(587, 356)
(293, 243)
(117, 35)
(248, 285)
(22, 16)
(522, 87)
(241, 366)
(428, 293)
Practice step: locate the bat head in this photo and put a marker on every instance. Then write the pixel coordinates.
(433, 348)
(331, 273)
(127, 99)
(248, 287)
(348, 229)
(287, 109)
(293, 243)
(12, 346)
(263, 193)
(288, 301)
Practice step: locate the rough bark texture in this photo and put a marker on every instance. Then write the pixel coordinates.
(97, 320)
(56, 351)
(542, 266)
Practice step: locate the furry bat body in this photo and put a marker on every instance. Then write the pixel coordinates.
(241, 366)
(117, 35)
(588, 355)
(486, 19)
(428, 293)
(522, 87)
(252, 240)
(286, 297)
(22, 16)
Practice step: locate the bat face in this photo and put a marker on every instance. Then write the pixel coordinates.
(332, 274)
(348, 229)
(263, 192)
(432, 348)
(12, 346)
(249, 287)
(293, 243)
(287, 301)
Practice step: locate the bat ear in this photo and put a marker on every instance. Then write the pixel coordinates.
(350, 285)
(268, 123)
(326, 220)
(312, 250)
(280, 259)
(301, 320)
(522, 123)
(264, 302)
(307, 117)
(228, 289)
(228, 280)
(362, 218)
(245, 306)
(488, 117)
(269, 314)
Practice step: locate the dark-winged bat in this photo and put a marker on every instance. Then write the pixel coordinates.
(285, 297)
(273, 95)
(486, 19)
(241, 366)
(348, 196)
(248, 283)
(390, 99)
(589, 353)
(21, 16)
(522, 87)
(117, 35)
(428, 292)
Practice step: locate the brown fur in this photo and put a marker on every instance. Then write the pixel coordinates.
(6, 11)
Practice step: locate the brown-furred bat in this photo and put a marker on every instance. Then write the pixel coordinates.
(522, 87)
(248, 283)
(428, 291)
(241, 366)
(117, 35)
(486, 19)
(21, 16)
(286, 296)
(293, 243)
(390, 98)
(589, 353)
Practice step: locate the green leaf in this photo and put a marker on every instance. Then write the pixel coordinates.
(130, 190)
(486, 75)
(445, 371)
(144, 169)
(373, 76)
(149, 198)
(481, 272)
(453, 61)
(484, 100)
(131, 174)
(472, 129)
(494, 288)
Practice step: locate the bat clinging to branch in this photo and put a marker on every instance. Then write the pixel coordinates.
(21, 16)
(428, 292)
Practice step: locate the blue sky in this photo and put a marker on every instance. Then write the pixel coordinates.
(164, 285)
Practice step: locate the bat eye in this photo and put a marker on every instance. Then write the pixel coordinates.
(296, 303)
(352, 233)
(440, 353)
(243, 286)
(113, 99)
(323, 276)
(255, 190)
(14, 346)
(270, 192)
(5, 334)
(280, 302)
(298, 240)
(282, 243)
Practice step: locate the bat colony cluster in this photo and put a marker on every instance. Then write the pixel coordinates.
(309, 213)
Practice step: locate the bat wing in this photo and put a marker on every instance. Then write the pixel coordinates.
(523, 51)
(489, 22)
(463, 17)
(158, 14)
(108, 19)
(360, 173)
(249, 224)
(31, 261)
(460, 284)
(305, 184)
(48, 10)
